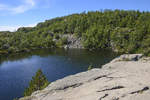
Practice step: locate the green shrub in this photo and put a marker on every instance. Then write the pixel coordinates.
(90, 67)
(64, 40)
(38, 82)
(56, 36)
(61, 42)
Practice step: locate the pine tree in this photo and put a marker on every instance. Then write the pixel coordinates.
(38, 82)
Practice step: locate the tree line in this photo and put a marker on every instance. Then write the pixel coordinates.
(120, 30)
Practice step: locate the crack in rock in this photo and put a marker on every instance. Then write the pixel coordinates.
(140, 91)
(68, 86)
(114, 77)
(103, 96)
(113, 88)
(100, 77)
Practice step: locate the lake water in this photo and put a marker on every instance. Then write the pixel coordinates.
(17, 70)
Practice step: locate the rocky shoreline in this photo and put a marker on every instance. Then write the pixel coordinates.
(124, 78)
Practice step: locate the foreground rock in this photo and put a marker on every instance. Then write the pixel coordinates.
(117, 80)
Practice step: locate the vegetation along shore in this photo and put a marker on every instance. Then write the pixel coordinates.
(120, 30)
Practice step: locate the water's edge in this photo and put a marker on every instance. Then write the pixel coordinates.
(17, 70)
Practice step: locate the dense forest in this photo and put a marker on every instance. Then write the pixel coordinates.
(120, 30)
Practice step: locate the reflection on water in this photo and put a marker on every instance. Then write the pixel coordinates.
(17, 70)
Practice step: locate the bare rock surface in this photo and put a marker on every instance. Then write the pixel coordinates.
(73, 42)
(128, 57)
(117, 80)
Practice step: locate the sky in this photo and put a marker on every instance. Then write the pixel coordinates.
(27, 13)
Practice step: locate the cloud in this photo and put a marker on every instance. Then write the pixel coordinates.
(14, 28)
(31, 2)
(25, 6)
(28, 4)
(8, 28)
(3, 7)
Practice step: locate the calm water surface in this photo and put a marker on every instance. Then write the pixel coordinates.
(17, 70)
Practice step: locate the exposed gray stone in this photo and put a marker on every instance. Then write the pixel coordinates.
(73, 42)
(128, 57)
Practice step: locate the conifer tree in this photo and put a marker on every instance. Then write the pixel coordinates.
(38, 82)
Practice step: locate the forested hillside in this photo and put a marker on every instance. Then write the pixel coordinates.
(123, 31)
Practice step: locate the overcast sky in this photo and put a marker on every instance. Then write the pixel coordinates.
(17, 13)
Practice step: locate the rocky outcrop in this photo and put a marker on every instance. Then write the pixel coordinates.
(73, 42)
(128, 57)
(117, 80)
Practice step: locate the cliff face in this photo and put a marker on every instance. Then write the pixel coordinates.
(124, 78)
(73, 42)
